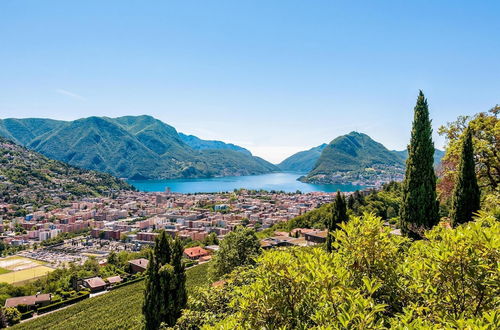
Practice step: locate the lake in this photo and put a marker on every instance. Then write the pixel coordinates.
(285, 181)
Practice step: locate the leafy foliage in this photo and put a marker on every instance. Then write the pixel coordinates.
(10, 315)
(374, 280)
(485, 130)
(454, 273)
(384, 203)
(238, 248)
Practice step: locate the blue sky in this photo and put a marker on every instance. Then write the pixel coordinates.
(273, 76)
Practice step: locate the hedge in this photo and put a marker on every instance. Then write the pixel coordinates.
(124, 283)
(62, 303)
(27, 315)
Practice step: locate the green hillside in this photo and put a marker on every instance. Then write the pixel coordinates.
(438, 155)
(136, 147)
(27, 177)
(349, 153)
(355, 156)
(199, 144)
(118, 309)
(302, 161)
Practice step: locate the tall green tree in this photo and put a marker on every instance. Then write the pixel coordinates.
(339, 215)
(165, 294)
(420, 209)
(238, 248)
(485, 130)
(466, 194)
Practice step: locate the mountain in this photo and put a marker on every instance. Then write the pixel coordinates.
(199, 144)
(27, 177)
(355, 157)
(302, 161)
(354, 151)
(135, 147)
(438, 155)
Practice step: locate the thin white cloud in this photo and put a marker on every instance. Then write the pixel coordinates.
(70, 94)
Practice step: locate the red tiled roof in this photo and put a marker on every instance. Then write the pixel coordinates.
(27, 300)
(195, 252)
(140, 262)
(95, 282)
(114, 279)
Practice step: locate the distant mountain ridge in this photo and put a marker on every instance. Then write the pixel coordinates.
(199, 144)
(438, 155)
(353, 157)
(135, 147)
(302, 161)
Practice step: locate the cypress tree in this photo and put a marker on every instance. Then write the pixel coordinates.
(350, 202)
(419, 209)
(339, 215)
(165, 294)
(466, 195)
(179, 293)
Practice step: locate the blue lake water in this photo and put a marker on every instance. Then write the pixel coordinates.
(274, 181)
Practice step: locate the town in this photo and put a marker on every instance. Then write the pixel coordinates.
(95, 227)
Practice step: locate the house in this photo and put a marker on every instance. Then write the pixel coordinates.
(205, 258)
(31, 301)
(297, 232)
(195, 253)
(212, 248)
(316, 237)
(95, 284)
(138, 265)
(278, 241)
(114, 280)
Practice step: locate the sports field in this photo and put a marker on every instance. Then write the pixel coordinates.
(15, 263)
(25, 274)
(20, 269)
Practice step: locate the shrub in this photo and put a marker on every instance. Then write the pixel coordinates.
(372, 280)
(302, 288)
(365, 248)
(454, 273)
(12, 315)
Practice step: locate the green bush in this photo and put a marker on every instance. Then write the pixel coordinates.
(454, 274)
(373, 280)
(12, 315)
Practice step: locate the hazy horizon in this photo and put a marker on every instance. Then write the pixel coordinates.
(273, 77)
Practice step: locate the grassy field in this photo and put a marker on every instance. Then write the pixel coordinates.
(4, 271)
(24, 275)
(119, 309)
